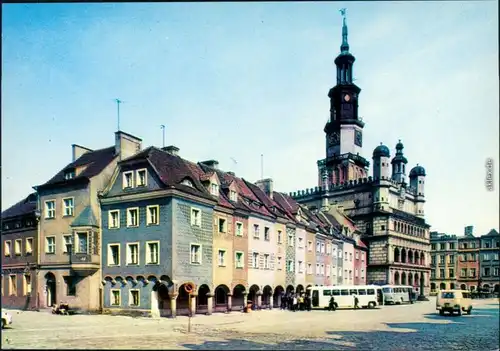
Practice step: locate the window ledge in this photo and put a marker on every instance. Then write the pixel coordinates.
(49, 218)
(113, 265)
(196, 263)
(152, 264)
(222, 265)
(152, 224)
(133, 226)
(133, 264)
(113, 227)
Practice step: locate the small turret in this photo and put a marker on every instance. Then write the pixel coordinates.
(399, 164)
(381, 156)
(417, 182)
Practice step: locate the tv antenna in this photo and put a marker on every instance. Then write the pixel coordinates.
(163, 134)
(118, 102)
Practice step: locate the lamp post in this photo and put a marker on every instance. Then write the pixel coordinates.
(422, 297)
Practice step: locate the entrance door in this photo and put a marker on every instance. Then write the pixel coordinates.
(315, 298)
(51, 293)
(83, 242)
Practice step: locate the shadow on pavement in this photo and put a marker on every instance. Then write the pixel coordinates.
(475, 332)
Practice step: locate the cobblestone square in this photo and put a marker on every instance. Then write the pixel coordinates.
(405, 327)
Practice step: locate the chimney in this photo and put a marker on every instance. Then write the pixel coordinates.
(266, 185)
(231, 174)
(469, 230)
(171, 149)
(78, 151)
(126, 145)
(211, 163)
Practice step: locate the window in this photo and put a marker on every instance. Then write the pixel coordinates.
(350, 274)
(362, 274)
(472, 257)
(239, 258)
(442, 246)
(340, 272)
(70, 286)
(153, 217)
(346, 256)
(29, 246)
(495, 256)
(256, 231)
(463, 257)
(317, 268)
(128, 180)
(233, 196)
(300, 267)
(452, 259)
(318, 247)
(350, 256)
(328, 249)
(322, 269)
(452, 246)
(83, 242)
(50, 245)
(68, 206)
(451, 273)
(222, 225)
(486, 244)
(221, 258)
(441, 259)
(67, 243)
(195, 217)
(187, 182)
(132, 217)
(279, 263)
(134, 298)
(495, 271)
(340, 253)
(69, 174)
(267, 234)
(441, 273)
(301, 243)
(463, 272)
(433, 247)
(255, 260)
(280, 237)
(323, 248)
(113, 254)
(356, 273)
(133, 254)
(239, 229)
(290, 240)
(214, 189)
(141, 177)
(266, 261)
(486, 257)
(153, 252)
(472, 272)
(27, 284)
(309, 268)
(289, 266)
(195, 250)
(13, 284)
(114, 219)
(362, 257)
(115, 297)
(309, 246)
(50, 209)
(357, 255)
(17, 247)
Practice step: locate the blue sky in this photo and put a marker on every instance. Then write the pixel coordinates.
(237, 80)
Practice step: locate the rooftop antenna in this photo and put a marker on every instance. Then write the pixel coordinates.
(118, 102)
(234, 162)
(261, 166)
(163, 133)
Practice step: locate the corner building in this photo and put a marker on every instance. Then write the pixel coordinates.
(385, 207)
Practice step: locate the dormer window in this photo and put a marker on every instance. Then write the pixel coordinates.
(214, 189)
(187, 182)
(69, 174)
(233, 196)
(141, 177)
(128, 180)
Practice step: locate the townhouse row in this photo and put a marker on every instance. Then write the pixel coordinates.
(467, 262)
(127, 228)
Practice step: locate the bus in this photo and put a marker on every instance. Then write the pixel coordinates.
(369, 296)
(398, 294)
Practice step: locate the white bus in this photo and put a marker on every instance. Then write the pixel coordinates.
(398, 294)
(369, 296)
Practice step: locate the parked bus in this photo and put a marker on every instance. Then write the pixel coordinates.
(369, 296)
(398, 294)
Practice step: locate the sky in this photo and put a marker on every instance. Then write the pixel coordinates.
(232, 81)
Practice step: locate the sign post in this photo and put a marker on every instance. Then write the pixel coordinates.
(189, 289)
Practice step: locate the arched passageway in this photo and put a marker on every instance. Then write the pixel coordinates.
(202, 299)
(252, 294)
(410, 256)
(238, 300)
(267, 292)
(433, 286)
(163, 295)
(50, 282)
(221, 298)
(183, 301)
(300, 289)
(278, 291)
(290, 289)
(397, 256)
(396, 278)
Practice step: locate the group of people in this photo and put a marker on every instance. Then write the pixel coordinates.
(295, 301)
(62, 308)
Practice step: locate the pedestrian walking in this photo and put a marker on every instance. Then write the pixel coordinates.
(308, 302)
(294, 303)
(356, 302)
(331, 304)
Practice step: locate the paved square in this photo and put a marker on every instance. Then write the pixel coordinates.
(406, 327)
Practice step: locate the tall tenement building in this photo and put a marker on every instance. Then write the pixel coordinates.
(387, 208)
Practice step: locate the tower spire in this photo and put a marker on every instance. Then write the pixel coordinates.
(345, 45)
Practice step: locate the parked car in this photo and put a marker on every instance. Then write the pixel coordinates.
(6, 319)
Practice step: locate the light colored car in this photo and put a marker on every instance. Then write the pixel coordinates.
(6, 319)
(454, 301)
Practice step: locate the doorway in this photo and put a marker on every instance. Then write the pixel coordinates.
(50, 289)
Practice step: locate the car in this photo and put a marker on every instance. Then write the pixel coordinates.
(6, 319)
(454, 301)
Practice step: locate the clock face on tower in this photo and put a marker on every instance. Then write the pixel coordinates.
(334, 139)
(358, 138)
(347, 97)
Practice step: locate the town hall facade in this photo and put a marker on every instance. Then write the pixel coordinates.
(387, 208)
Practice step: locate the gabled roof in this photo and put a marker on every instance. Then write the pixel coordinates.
(86, 218)
(172, 170)
(95, 161)
(492, 232)
(286, 202)
(25, 206)
(269, 203)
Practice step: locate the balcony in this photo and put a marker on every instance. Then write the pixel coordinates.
(84, 264)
